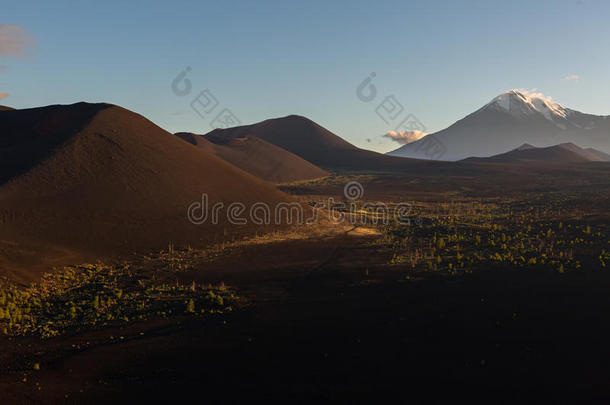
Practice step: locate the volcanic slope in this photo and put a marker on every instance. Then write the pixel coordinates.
(258, 157)
(83, 180)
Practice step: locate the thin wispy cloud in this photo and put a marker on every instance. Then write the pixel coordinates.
(3, 95)
(14, 41)
(534, 93)
(405, 137)
(571, 78)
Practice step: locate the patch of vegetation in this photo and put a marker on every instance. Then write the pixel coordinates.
(98, 295)
(539, 233)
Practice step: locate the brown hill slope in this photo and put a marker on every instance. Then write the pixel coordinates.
(258, 157)
(86, 180)
(603, 156)
(315, 144)
(5, 108)
(589, 155)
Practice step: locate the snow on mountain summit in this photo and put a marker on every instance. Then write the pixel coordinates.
(523, 103)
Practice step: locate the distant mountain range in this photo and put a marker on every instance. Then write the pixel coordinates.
(562, 153)
(509, 120)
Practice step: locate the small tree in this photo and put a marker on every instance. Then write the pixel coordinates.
(190, 307)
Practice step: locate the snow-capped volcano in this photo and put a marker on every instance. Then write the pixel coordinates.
(511, 119)
(521, 103)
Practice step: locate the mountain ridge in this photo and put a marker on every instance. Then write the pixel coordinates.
(258, 157)
(315, 144)
(556, 154)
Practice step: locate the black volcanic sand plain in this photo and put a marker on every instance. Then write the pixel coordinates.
(347, 317)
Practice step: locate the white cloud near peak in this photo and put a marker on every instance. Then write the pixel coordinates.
(405, 137)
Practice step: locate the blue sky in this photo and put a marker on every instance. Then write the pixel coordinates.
(440, 59)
